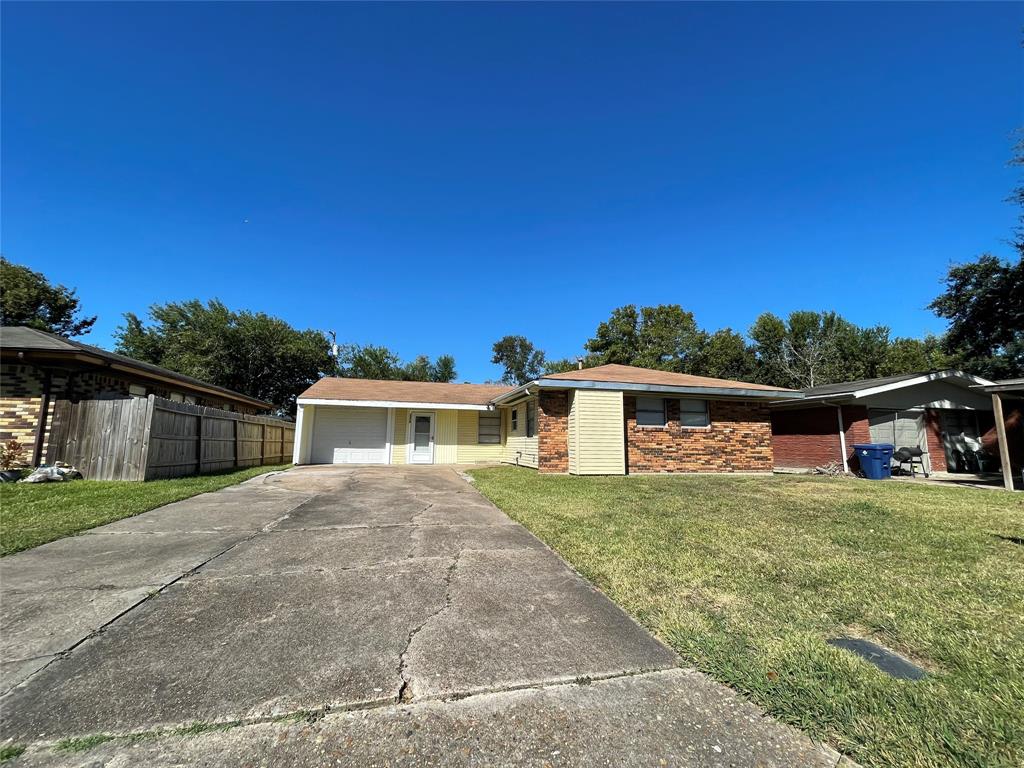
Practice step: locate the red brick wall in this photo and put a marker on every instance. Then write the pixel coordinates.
(553, 432)
(933, 433)
(809, 437)
(738, 440)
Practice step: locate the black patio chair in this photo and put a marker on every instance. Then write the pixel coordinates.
(912, 456)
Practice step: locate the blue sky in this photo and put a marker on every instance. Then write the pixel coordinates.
(432, 177)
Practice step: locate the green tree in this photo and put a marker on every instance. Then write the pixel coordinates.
(562, 365)
(29, 298)
(984, 303)
(664, 337)
(725, 354)
(906, 355)
(521, 360)
(249, 352)
(443, 369)
(356, 361)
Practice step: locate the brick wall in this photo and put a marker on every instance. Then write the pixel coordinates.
(933, 434)
(553, 431)
(21, 390)
(809, 437)
(738, 440)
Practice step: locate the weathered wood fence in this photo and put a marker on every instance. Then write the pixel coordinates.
(150, 438)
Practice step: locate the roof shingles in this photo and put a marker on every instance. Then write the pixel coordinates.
(383, 390)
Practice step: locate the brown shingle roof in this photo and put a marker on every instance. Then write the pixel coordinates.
(629, 374)
(404, 391)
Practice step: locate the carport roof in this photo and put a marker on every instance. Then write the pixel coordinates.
(419, 392)
(853, 390)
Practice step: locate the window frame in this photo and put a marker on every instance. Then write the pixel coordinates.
(706, 412)
(664, 413)
(514, 421)
(531, 418)
(137, 390)
(494, 418)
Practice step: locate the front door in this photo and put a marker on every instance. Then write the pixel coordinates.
(421, 450)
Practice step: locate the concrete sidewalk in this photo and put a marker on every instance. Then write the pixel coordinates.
(360, 615)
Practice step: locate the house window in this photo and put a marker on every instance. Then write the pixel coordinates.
(177, 397)
(190, 399)
(136, 390)
(694, 413)
(515, 420)
(650, 411)
(531, 418)
(489, 429)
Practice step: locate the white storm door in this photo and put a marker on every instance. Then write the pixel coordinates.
(421, 446)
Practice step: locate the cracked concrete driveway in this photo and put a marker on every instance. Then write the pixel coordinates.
(353, 615)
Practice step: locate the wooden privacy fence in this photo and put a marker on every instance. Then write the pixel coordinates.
(148, 438)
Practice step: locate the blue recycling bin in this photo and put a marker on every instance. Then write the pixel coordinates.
(875, 459)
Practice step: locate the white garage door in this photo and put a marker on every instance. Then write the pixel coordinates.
(350, 435)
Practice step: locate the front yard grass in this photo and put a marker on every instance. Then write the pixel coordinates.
(32, 514)
(746, 577)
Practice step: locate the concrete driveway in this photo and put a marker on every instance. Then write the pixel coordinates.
(354, 616)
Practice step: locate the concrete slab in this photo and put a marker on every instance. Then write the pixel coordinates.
(522, 617)
(226, 649)
(44, 623)
(248, 512)
(104, 561)
(17, 671)
(674, 718)
(309, 551)
(356, 509)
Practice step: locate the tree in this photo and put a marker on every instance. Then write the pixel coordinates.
(443, 369)
(984, 303)
(28, 298)
(906, 355)
(369, 362)
(664, 337)
(249, 352)
(725, 354)
(561, 366)
(521, 360)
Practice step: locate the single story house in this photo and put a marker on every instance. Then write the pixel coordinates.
(606, 420)
(941, 412)
(37, 369)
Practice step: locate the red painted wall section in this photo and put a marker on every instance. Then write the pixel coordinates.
(933, 433)
(809, 437)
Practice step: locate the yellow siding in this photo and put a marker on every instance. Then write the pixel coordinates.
(600, 440)
(518, 448)
(470, 451)
(573, 436)
(446, 449)
(398, 445)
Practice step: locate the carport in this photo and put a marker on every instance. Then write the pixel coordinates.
(1008, 410)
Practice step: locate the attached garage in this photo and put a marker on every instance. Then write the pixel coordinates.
(343, 435)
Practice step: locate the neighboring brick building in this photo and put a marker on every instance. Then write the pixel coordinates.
(38, 369)
(941, 412)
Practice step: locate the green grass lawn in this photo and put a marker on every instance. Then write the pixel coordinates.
(32, 514)
(746, 577)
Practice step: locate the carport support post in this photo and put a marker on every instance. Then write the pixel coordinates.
(842, 439)
(1004, 446)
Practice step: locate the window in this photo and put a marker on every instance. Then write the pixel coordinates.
(694, 413)
(650, 411)
(489, 429)
(136, 390)
(531, 418)
(515, 420)
(177, 397)
(190, 399)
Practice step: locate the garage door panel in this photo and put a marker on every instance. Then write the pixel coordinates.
(344, 435)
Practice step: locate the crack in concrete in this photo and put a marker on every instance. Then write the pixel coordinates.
(405, 689)
(149, 596)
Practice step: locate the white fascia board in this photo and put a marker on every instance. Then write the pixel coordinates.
(394, 404)
(710, 393)
(923, 379)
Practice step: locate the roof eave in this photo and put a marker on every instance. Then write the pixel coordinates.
(738, 392)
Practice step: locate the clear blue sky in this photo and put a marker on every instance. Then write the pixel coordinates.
(432, 177)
